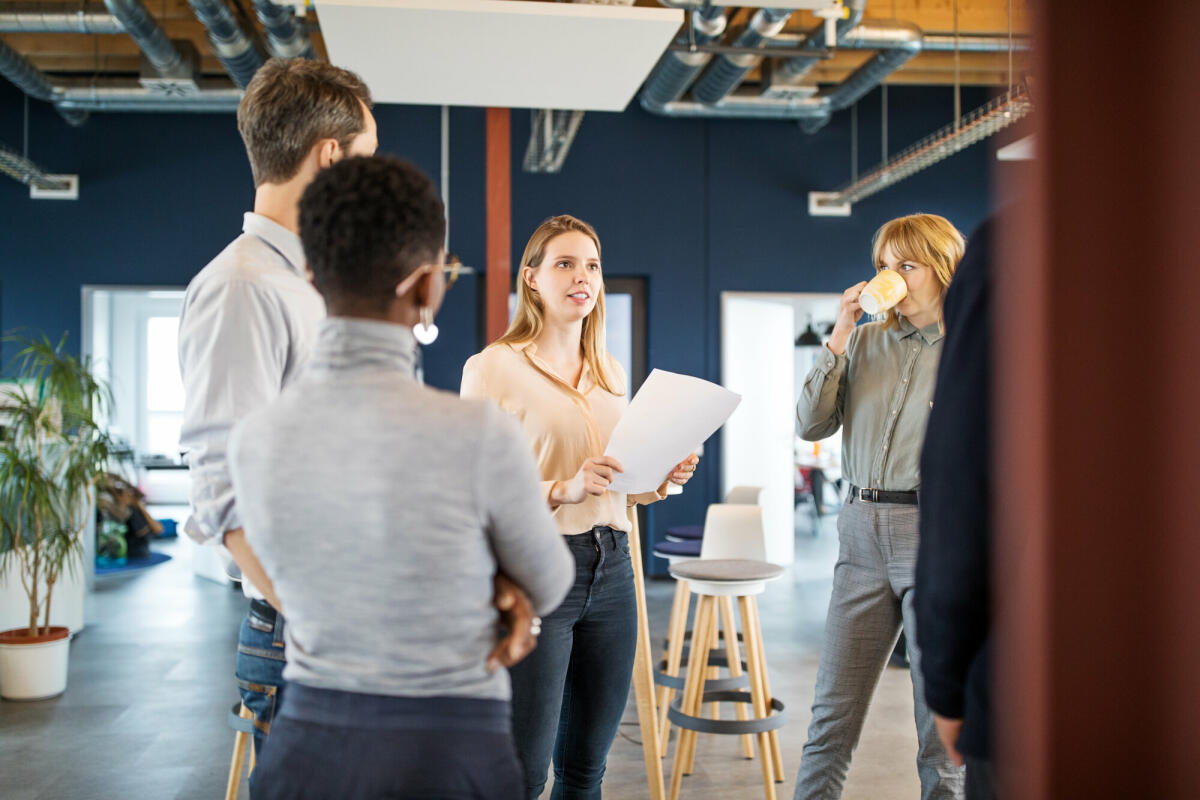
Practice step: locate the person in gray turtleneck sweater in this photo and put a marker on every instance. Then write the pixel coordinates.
(381, 510)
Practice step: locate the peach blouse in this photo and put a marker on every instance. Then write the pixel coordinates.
(565, 425)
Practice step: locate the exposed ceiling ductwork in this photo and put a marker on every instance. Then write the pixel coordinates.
(286, 38)
(148, 34)
(44, 18)
(675, 71)
(793, 69)
(74, 98)
(232, 45)
(897, 42)
(788, 93)
(33, 82)
(725, 72)
(116, 94)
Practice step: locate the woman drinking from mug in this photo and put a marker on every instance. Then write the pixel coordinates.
(552, 371)
(876, 381)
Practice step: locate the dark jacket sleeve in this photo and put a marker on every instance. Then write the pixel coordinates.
(952, 581)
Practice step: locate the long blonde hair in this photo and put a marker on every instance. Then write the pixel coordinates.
(529, 318)
(928, 240)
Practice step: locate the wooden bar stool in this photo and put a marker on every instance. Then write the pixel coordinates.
(731, 530)
(716, 582)
(241, 719)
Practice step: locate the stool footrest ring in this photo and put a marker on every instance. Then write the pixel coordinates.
(712, 684)
(734, 727)
(238, 722)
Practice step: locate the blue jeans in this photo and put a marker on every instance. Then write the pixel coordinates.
(570, 693)
(260, 662)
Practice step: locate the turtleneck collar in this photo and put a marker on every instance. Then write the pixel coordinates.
(355, 344)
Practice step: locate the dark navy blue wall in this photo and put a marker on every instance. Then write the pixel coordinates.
(696, 207)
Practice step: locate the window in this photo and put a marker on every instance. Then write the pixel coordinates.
(131, 335)
(163, 387)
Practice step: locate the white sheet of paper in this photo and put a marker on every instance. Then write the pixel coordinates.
(670, 416)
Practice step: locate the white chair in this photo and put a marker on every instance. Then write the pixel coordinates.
(744, 495)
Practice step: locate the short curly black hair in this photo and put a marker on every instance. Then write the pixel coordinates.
(367, 223)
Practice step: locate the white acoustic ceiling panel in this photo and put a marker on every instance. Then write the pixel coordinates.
(499, 53)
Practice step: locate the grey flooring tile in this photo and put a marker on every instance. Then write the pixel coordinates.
(151, 681)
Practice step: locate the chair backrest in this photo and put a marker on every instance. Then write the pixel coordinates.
(744, 495)
(734, 531)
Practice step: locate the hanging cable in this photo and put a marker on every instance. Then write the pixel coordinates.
(854, 143)
(883, 102)
(1010, 49)
(957, 73)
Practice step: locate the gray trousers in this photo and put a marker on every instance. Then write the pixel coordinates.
(872, 597)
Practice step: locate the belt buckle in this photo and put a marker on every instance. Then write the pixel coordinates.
(869, 495)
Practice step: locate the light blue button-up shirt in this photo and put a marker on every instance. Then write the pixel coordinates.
(249, 320)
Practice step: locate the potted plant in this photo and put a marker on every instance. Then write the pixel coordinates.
(52, 450)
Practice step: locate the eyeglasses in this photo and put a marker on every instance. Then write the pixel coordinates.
(451, 269)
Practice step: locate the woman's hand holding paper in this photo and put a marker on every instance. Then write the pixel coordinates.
(593, 479)
(684, 470)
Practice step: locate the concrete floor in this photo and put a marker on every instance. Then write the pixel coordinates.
(151, 678)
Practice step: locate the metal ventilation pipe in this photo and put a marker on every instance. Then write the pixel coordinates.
(145, 30)
(42, 18)
(794, 68)
(118, 94)
(32, 81)
(286, 37)
(675, 71)
(726, 72)
(898, 43)
(232, 46)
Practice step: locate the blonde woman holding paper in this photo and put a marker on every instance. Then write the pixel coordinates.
(875, 381)
(551, 370)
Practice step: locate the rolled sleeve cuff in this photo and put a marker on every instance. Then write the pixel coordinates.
(213, 513)
(646, 498)
(828, 362)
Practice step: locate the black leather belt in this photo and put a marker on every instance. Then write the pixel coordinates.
(263, 610)
(880, 496)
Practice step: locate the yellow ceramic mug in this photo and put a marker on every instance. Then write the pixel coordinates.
(882, 292)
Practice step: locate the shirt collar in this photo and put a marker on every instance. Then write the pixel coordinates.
(530, 350)
(930, 334)
(284, 242)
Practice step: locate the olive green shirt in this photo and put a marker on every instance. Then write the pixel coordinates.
(880, 392)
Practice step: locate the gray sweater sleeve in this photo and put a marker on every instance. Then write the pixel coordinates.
(526, 542)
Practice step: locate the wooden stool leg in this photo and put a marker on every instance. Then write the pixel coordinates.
(776, 753)
(240, 739)
(708, 639)
(676, 628)
(755, 664)
(693, 691)
(734, 656)
(714, 709)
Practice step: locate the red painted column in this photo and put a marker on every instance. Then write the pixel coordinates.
(1097, 350)
(498, 160)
